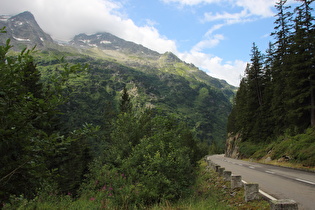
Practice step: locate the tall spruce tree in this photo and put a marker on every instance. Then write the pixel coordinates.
(246, 116)
(267, 123)
(281, 64)
(239, 117)
(306, 26)
(255, 75)
(300, 79)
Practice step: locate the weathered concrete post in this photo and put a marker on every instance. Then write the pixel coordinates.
(220, 171)
(283, 204)
(236, 182)
(251, 192)
(227, 175)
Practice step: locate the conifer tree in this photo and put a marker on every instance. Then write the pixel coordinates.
(239, 117)
(28, 144)
(300, 79)
(308, 29)
(284, 86)
(255, 75)
(125, 103)
(267, 124)
(281, 64)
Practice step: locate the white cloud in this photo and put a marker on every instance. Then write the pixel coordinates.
(63, 19)
(257, 7)
(208, 43)
(228, 19)
(191, 2)
(215, 67)
(214, 28)
(208, 17)
(250, 10)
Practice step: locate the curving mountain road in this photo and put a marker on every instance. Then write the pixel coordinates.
(279, 182)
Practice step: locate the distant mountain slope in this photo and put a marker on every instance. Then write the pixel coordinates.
(105, 45)
(160, 81)
(107, 41)
(23, 30)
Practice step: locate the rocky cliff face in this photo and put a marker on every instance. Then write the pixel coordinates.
(23, 30)
(232, 146)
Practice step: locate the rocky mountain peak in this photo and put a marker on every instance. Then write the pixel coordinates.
(170, 57)
(23, 29)
(25, 16)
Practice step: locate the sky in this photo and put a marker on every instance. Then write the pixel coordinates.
(214, 35)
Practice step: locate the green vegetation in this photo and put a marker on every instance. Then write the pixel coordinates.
(296, 151)
(202, 106)
(275, 104)
(53, 157)
(33, 151)
(208, 192)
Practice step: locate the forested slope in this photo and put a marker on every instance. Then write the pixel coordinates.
(275, 102)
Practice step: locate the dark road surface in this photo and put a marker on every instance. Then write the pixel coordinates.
(279, 182)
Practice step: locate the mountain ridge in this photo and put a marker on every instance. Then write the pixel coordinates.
(23, 31)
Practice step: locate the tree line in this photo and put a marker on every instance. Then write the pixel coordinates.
(276, 94)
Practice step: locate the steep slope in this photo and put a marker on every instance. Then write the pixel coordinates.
(160, 81)
(23, 30)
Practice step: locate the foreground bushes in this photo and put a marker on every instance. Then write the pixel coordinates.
(157, 166)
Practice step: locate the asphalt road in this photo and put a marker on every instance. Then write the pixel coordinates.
(279, 182)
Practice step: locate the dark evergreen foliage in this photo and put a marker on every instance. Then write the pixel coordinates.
(32, 151)
(277, 92)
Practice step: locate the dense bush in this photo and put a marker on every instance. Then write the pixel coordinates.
(299, 148)
(32, 149)
(153, 159)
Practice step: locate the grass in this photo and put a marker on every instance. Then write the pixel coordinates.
(293, 151)
(212, 192)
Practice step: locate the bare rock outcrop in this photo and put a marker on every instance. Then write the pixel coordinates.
(232, 145)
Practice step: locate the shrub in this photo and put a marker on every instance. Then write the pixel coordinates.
(158, 164)
(247, 149)
(162, 167)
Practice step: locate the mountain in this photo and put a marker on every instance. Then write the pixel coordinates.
(106, 45)
(107, 41)
(160, 81)
(23, 30)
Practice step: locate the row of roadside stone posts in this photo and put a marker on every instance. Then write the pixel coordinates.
(251, 190)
